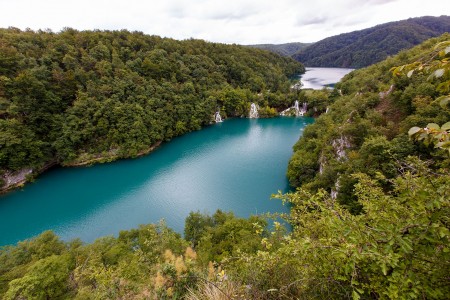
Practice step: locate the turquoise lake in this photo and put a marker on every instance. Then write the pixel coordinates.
(234, 166)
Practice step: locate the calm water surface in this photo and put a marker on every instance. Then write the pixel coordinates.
(235, 165)
(317, 78)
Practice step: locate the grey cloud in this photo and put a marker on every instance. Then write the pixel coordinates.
(312, 20)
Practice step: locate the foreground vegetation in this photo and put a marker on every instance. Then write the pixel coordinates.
(81, 96)
(397, 249)
(366, 129)
(370, 219)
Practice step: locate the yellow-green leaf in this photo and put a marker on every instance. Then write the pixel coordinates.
(443, 101)
(446, 126)
(433, 126)
(414, 130)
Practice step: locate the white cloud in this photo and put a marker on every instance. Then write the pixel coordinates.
(231, 21)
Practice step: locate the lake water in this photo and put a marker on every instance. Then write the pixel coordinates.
(234, 166)
(318, 78)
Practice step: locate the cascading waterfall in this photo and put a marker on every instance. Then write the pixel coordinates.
(304, 109)
(297, 109)
(253, 111)
(217, 117)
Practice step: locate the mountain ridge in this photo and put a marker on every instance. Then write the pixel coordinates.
(362, 48)
(285, 49)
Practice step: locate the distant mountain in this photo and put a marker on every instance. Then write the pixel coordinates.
(287, 49)
(362, 48)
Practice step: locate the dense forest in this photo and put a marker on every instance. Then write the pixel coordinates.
(287, 49)
(366, 128)
(77, 97)
(362, 48)
(370, 219)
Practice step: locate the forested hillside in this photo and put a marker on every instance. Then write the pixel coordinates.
(366, 129)
(369, 221)
(81, 96)
(362, 48)
(287, 49)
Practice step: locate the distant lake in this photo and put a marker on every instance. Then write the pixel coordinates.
(317, 78)
(234, 166)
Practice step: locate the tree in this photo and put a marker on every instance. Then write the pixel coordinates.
(436, 65)
(195, 226)
(46, 279)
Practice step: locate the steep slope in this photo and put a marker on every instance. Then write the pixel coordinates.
(366, 129)
(287, 49)
(362, 48)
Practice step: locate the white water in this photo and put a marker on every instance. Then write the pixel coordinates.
(297, 110)
(253, 111)
(303, 110)
(217, 117)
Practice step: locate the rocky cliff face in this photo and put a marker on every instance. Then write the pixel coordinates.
(13, 179)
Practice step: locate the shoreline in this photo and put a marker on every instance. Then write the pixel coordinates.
(25, 175)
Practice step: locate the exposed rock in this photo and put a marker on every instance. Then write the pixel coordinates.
(322, 163)
(12, 179)
(383, 95)
(340, 145)
(334, 192)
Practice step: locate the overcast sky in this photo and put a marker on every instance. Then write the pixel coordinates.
(225, 21)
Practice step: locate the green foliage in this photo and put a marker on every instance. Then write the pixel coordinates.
(222, 235)
(398, 248)
(47, 278)
(195, 226)
(365, 47)
(78, 97)
(229, 237)
(287, 49)
(369, 221)
(433, 134)
(437, 67)
(366, 128)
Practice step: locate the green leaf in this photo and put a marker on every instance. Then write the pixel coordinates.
(444, 102)
(443, 145)
(446, 126)
(433, 126)
(422, 136)
(383, 268)
(355, 295)
(414, 130)
(410, 73)
(442, 232)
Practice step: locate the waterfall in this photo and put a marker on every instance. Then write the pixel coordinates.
(304, 108)
(297, 109)
(301, 111)
(253, 111)
(217, 117)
